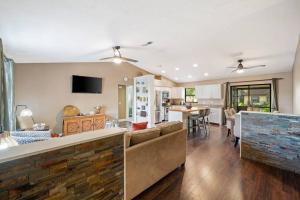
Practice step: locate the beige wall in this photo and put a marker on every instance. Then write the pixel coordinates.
(285, 91)
(296, 82)
(46, 88)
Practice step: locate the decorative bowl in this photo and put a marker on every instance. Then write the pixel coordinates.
(188, 106)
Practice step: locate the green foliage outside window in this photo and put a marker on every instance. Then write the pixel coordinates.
(190, 95)
(253, 97)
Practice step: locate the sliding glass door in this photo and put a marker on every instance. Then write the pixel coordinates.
(251, 97)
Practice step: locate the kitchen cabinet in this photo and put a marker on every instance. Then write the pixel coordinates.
(216, 116)
(163, 89)
(177, 93)
(209, 91)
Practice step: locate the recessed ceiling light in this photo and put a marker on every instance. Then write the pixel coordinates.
(195, 65)
(205, 74)
(189, 76)
(177, 68)
(163, 71)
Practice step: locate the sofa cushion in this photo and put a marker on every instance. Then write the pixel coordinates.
(127, 138)
(143, 135)
(170, 127)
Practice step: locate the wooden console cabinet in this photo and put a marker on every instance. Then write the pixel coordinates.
(78, 124)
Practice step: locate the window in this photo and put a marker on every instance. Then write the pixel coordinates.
(190, 95)
(251, 97)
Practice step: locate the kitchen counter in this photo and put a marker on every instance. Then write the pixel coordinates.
(184, 109)
(211, 106)
(181, 113)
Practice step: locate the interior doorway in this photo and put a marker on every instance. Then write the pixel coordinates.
(125, 102)
(121, 102)
(129, 102)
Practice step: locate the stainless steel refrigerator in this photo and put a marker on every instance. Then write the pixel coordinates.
(161, 109)
(158, 106)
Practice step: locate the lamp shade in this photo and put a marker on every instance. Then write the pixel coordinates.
(26, 113)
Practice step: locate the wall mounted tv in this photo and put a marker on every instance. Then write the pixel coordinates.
(85, 84)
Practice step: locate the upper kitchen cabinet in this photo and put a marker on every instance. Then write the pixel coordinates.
(177, 93)
(209, 91)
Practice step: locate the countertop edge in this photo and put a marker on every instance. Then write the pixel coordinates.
(26, 150)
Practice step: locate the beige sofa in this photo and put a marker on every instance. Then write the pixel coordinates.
(151, 154)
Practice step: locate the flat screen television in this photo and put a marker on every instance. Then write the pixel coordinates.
(85, 84)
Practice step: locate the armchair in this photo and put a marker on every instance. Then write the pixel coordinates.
(230, 121)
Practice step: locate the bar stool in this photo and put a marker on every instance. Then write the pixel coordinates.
(206, 118)
(202, 120)
(193, 122)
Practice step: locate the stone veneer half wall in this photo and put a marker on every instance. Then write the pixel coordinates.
(272, 139)
(92, 170)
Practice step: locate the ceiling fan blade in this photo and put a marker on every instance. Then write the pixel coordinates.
(129, 59)
(256, 66)
(232, 66)
(139, 46)
(107, 58)
(235, 70)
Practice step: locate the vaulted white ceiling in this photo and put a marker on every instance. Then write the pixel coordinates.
(211, 33)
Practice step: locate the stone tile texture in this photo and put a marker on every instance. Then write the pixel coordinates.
(271, 139)
(92, 170)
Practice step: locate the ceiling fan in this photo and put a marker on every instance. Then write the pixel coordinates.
(118, 58)
(240, 68)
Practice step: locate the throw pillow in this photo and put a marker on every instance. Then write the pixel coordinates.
(139, 126)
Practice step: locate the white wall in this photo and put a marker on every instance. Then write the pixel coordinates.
(46, 88)
(296, 82)
(285, 91)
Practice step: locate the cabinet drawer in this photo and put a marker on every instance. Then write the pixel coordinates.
(87, 124)
(99, 122)
(72, 126)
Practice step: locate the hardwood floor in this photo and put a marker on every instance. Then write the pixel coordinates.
(214, 170)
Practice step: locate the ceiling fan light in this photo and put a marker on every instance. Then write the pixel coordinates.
(239, 71)
(116, 53)
(117, 60)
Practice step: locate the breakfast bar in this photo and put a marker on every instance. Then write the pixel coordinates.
(181, 113)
